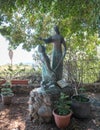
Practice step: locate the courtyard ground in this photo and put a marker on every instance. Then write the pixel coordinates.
(15, 116)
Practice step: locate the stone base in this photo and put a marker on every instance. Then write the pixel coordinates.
(42, 102)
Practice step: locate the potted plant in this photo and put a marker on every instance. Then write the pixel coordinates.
(80, 106)
(6, 93)
(80, 102)
(62, 113)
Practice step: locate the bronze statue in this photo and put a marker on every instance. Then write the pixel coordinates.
(48, 76)
(57, 54)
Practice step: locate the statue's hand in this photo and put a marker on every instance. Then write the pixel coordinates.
(40, 38)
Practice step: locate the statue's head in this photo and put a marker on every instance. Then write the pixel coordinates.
(56, 29)
(41, 48)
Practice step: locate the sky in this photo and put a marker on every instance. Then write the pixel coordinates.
(19, 55)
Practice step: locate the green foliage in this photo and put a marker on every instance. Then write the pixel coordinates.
(7, 84)
(6, 91)
(82, 68)
(81, 90)
(63, 104)
(80, 98)
(17, 72)
(9, 73)
(25, 21)
(91, 69)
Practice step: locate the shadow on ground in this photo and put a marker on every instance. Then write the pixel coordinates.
(15, 116)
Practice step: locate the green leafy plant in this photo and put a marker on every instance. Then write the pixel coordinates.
(8, 74)
(6, 89)
(81, 98)
(63, 104)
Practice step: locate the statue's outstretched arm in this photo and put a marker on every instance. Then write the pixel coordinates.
(46, 40)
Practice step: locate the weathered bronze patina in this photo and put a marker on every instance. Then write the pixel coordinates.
(57, 54)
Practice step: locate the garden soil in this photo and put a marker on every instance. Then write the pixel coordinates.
(15, 116)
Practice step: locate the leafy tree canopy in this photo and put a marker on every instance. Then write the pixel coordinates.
(23, 21)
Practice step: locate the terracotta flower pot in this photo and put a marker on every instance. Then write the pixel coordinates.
(17, 81)
(62, 121)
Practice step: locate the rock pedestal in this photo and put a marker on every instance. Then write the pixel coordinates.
(40, 106)
(42, 102)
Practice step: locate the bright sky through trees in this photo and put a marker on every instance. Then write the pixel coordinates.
(19, 56)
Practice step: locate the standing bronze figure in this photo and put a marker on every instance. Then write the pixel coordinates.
(57, 54)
